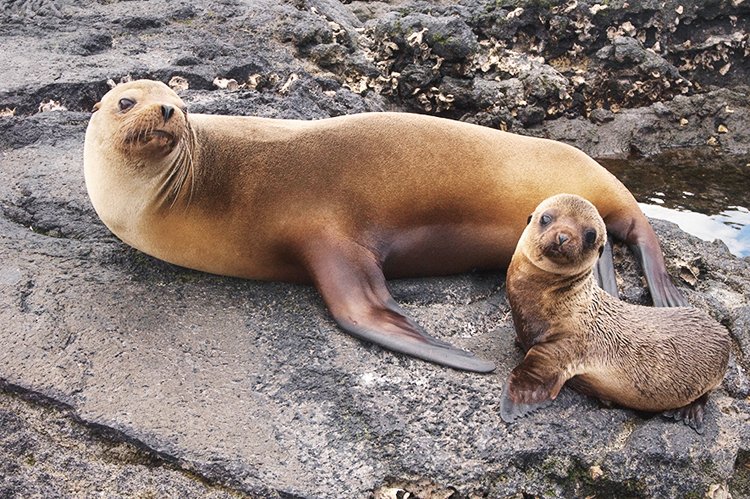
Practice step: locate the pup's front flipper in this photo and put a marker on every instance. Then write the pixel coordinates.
(536, 381)
(605, 270)
(511, 410)
(692, 414)
(351, 281)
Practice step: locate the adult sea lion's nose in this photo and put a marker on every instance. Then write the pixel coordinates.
(167, 112)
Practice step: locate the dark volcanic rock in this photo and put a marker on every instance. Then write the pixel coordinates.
(713, 122)
(141, 23)
(250, 385)
(94, 43)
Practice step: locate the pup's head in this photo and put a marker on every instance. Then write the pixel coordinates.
(565, 235)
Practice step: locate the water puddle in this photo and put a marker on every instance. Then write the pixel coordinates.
(707, 196)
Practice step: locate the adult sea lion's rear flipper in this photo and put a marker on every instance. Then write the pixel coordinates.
(605, 270)
(663, 291)
(535, 382)
(641, 239)
(691, 414)
(354, 289)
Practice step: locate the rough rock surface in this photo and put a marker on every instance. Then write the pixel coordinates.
(166, 381)
(45, 451)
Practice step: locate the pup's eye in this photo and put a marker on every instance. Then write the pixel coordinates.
(545, 219)
(590, 237)
(125, 104)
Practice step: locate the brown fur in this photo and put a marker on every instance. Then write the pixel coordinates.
(334, 201)
(652, 359)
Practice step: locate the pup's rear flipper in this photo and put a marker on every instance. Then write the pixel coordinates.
(691, 414)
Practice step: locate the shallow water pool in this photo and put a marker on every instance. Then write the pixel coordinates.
(706, 195)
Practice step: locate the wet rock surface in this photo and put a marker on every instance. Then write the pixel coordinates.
(182, 383)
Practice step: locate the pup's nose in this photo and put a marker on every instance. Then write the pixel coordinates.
(562, 239)
(167, 112)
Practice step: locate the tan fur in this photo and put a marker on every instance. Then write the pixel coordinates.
(338, 202)
(400, 183)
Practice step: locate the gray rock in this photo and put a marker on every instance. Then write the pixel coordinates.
(600, 116)
(711, 122)
(45, 451)
(531, 115)
(138, 23)
(94, 43)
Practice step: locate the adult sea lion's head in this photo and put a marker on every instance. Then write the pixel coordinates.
(138, 153)
(140, 119)
(565, 235)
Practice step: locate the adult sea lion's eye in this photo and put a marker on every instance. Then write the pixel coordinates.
(125, 104)
(545, 219)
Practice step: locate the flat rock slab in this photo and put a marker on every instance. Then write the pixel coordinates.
(45, 451)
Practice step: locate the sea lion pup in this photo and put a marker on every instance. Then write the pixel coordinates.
(338, 202)
(645, 358)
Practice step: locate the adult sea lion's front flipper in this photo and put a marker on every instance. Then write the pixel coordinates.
(352, 284)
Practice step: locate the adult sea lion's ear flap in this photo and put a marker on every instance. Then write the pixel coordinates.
(96, 107)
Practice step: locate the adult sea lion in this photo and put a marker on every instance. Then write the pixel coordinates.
(651, 359)
(338, 202)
